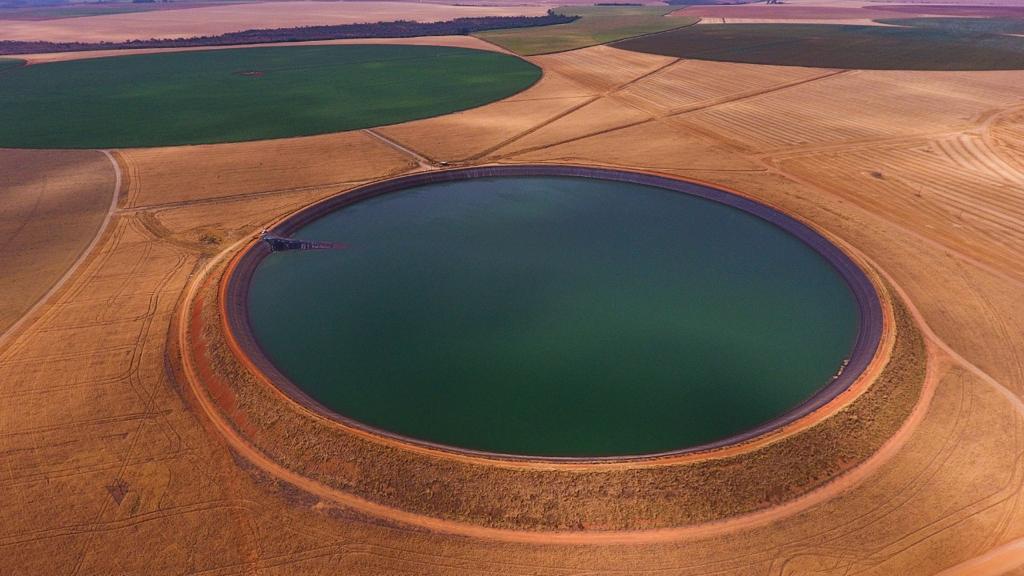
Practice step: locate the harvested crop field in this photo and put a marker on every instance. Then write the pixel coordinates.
(890, 105)
(601, 68)
(784, 12)
(833, 46)
(112, 445)
(246, 94)
(213, 20)
(572, 82)
(52, 204)
(596, 25)
(692, 84)
(82, 9)
(182, 174)
(981, 11)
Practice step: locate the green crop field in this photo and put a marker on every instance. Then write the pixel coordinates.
(838, 46)
(596, 25)
(6, 63)
(245, 94)
(977, 25)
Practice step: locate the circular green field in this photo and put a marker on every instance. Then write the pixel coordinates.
(245, 94)
(6, 63)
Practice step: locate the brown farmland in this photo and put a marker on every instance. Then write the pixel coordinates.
(213, 20)
(52, 205)
(117, 455)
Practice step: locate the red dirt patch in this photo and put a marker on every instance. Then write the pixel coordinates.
(250, 73)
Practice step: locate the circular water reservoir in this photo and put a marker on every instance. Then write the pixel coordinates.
(560, 315)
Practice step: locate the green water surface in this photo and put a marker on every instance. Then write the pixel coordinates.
(553, 316)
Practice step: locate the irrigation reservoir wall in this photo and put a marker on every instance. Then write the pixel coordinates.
(833, 431)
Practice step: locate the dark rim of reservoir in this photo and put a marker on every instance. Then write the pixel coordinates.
(235, 289)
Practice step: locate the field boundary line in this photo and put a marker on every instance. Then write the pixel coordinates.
(671, 115)
(424, 162)
(528, 131)
(609, 43)
(610, 93)
(32, 312)
(777, 88)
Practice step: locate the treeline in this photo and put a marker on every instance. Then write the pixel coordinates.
(395, 29)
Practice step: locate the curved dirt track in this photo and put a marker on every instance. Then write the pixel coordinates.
(103, 457)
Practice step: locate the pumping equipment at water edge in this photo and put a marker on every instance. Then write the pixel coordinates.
(280, 243)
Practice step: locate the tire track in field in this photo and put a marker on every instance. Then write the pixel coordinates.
(422, 161)
(772, 166)
(671, 114)
(1004, 332)
(134, 380)
(893, 501)
(492, 149)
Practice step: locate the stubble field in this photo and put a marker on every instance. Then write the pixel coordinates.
(111, 465)
(52, 205)
(213, 20)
